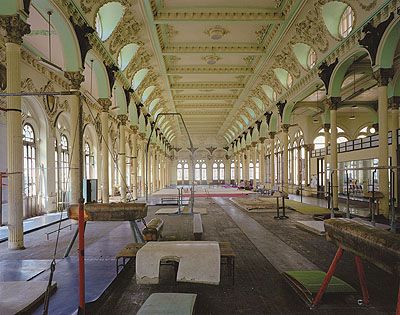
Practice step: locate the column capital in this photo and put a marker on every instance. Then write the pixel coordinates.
(383, 76)
(308, 147)
(123, 119)
(333, 102)
(15, 28)
(75, 78)
(134, 129)
(262, 139)
(285, 128)
(272, 135)
(105, 104)
(327, 127)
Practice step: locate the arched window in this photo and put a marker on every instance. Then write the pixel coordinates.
(342, 139)
(221, 171)
(311, 59)
(87, 160)
(346, 22)
(241, 170)
(179, 172)
(64, 164)
(29, 160)
(197, 173)
(232, 170)
(257, 171)
(215, 171)
(203, 171)
(251, 170)
(365, 132)
(319, 142)
(289, 80)
(186, 171)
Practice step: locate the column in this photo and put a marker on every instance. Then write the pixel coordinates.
(134, 164)
(333, 105)
(153, 169)
(143, 166)
(246, 159)
(122, 155)
(75, 78)
(285, 184)
(383, 76)
(272, 160)
(261, 158)
(307, 149)
(237, 168)
(227, 173)
(15, 29)
(254, 158)
(395, 126)
(327, 136)
(105, 103)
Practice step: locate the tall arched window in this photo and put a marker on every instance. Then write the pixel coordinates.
(232, 170)
(179, 172)
(87, 160)
(197, 172)
(295, 163)
(257, 171)
(29, 160)
(64, 166)
(186, 171)
(241, 170)
(215, 171)
(203, 171)
(221, 171)
(311, 58)
(251, 170)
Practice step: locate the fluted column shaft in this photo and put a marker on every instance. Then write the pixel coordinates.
(285, 179)
(334, 101)
(143, 166)
(15, 28)
(105, 103)
(134, 165)
(395, 126)
(262, 162)
(272, 166)
(122, 155)
(254, 153)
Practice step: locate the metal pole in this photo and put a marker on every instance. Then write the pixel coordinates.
(348, 196)
(392, 205)
(81, 221)
(373, 198)
(332, 210)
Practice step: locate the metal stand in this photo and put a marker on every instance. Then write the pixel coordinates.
(331, 271)
(278, 216)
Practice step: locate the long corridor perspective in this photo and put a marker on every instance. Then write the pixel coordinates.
(199, 157)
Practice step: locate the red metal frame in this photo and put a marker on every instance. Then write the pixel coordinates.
(81, 228)
(363, 280)
(361, 277)
(328, 277)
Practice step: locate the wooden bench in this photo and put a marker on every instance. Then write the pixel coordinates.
(197, 227)
(153, 229)
(226, 252)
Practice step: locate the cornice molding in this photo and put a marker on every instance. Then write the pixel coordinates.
(206, 97)
(225, 48)
(211, 14)
(206, 85)
(210, 69)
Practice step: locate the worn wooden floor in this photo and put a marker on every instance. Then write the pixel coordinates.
(259, 288)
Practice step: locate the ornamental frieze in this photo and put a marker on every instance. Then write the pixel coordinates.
(312, 30)
(287, 60)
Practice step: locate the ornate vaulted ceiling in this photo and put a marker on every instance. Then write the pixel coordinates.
(208, 53)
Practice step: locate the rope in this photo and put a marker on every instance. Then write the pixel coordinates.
(53, 262)
(129, 192)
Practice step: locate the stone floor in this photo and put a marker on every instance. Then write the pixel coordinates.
(259, 287)
(264, 247)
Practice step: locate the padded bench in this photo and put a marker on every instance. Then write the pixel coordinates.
(197, 227)
(225, 248)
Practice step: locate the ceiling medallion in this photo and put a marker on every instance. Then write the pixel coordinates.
(216, 32)
(211, 59)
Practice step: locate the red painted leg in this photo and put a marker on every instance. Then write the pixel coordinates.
(328, 277)
(363, 280)
(398, 302)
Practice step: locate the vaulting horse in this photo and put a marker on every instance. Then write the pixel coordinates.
(379, 247)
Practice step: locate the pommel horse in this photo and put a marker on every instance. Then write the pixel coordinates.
(379, 247)
(109, 212)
